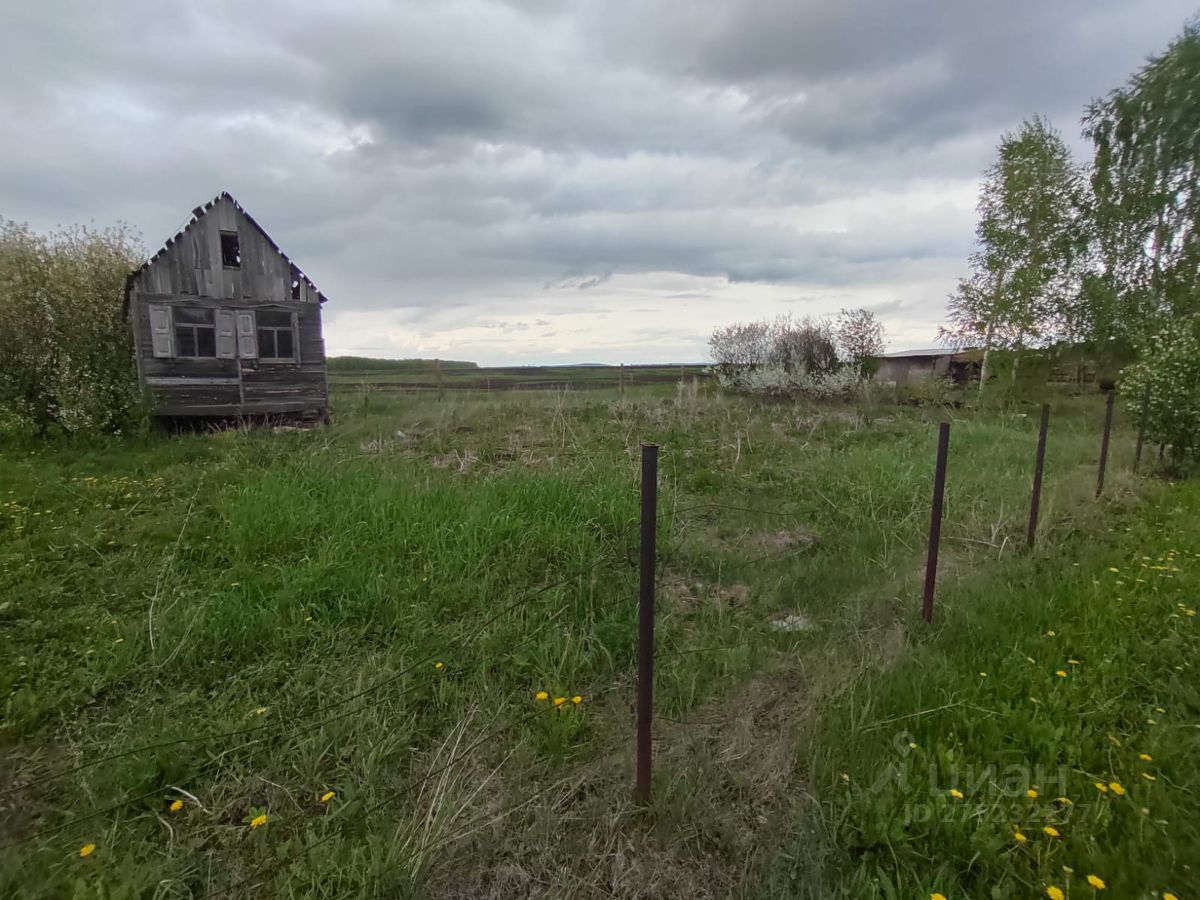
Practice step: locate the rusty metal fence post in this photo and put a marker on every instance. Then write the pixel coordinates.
(935, 519)
(1141, 439)
(645, 682)
(1108, 415)
(1038, 468)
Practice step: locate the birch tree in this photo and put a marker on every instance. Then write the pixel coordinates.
(1023, 273)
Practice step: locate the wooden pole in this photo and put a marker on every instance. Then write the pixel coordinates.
(645, 682)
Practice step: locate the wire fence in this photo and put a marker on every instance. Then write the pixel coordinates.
(338, 823)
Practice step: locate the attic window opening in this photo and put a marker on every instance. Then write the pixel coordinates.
(295, 273)
(231, 253)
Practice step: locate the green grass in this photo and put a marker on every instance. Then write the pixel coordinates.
(299, 589)
(1069, 675)
(413, 375)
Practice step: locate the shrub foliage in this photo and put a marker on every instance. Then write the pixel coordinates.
(1163, 388)
(66, 355)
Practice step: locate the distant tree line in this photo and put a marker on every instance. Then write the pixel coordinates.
(353, 365)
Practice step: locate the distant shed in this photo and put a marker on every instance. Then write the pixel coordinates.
(914, 365)
(225, 324)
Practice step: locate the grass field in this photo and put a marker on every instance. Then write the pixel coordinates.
(427, 375)
(307, 664)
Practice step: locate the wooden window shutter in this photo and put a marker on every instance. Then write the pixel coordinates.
(247, 339)
(160, 330)
(226, 334)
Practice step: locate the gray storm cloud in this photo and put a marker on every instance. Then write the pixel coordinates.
(475, 155)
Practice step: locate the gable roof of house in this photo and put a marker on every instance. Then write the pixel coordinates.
(198, 213)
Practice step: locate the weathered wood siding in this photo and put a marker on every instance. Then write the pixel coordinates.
(189, 272)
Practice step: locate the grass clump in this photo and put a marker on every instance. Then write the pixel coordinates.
(1042, 736)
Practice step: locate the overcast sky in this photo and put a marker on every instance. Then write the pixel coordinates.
(541, 181)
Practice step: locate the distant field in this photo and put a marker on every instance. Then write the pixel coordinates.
(426, 377)
(309, 664)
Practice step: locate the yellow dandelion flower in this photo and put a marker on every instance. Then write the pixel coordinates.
(1097, 882)
(1148, 776)
(1116, 788)
(541, 695)
(577, 699)
(936, 896)
(1061, 674)
(1055, 893)
(439, 665)
(176, 806)
(261, 711)
(87, 849)
(1101, 786)
(1050, 831)
(1019, 838)
(559, 701)
(1145, 757)
(1051, 633)
(1064, 801)
(1031, 793)
(258, 821)
(1167, 895)
(327, 796)
(956, 793)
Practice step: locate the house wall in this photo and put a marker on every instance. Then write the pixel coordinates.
(901, 370)
(189, 273)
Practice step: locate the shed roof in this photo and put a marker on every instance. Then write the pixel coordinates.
(905, 354)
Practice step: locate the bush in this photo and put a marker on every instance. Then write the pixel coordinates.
(783, 357)
(1168, 374)
(66, 352)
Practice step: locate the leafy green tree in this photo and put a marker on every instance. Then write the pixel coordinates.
(1025, 271)
(1146, 197)
(860, 339)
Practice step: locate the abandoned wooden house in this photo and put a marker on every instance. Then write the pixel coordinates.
(225, 324)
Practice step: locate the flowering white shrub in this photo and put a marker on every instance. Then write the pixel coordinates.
(66, 352)
(784, 357)
(775, 380)
(1169, 367)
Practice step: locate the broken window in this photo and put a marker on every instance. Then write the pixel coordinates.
(231, 253)
(195, 333)
(276, 335)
